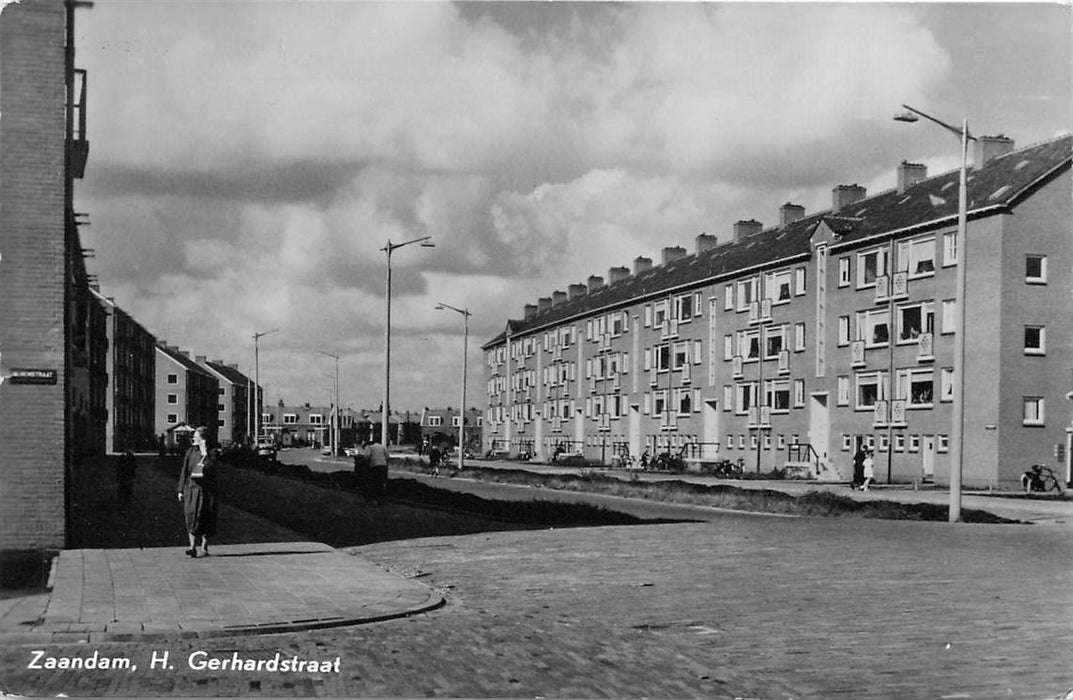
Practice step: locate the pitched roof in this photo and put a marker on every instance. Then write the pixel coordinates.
(182, 360)
(229, 373)
(1001, 184)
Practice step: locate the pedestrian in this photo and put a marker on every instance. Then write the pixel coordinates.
(125, 468)
(434, 460)
(869, 470)
(197, 491)
(377, 457)
(858, 468)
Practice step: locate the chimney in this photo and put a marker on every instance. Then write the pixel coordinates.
(706, 241)
(595, 283)
(845, 195)
(745, 228)
(543, 304)
(617, 274)
(641, 264)
(233, 365)
(576, 290)
(672, 253)
(200, 359)
(558, 297)
(530, 311)
(909, 174)
(789, 213)
(990, 147)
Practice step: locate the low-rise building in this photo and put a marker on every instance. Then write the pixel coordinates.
(235, 418)
(440, 425)
(186, 394)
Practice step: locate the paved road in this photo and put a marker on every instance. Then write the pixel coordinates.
(739, 607)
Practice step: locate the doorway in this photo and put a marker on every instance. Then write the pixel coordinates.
(927, 456)
(710, 448)
(635, 431)
(819, 426)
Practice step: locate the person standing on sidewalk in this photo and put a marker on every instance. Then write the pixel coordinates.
(197, 491)
(377, 458)
(869, 470)
(858, 468)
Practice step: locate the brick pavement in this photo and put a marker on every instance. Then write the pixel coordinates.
(741, 606)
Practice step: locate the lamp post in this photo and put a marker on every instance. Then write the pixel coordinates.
(465, 365)
(335, 406)
(257, 382)
(957, 431)
(384, 411)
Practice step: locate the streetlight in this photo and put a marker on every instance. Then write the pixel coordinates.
(257, 382)
(384, 411)
(957, 431)
(465, 365)
(335, 407)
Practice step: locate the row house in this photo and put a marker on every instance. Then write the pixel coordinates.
(186, 396)
(797, 344)
(311, 425)
(131, 381)
(234, 411)
(442, 424)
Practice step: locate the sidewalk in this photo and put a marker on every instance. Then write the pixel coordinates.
(132, 580)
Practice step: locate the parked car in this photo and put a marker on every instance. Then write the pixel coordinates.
(266, 447)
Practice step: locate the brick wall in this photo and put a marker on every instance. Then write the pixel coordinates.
(32, 93)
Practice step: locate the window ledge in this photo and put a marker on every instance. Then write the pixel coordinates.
(1033, 424)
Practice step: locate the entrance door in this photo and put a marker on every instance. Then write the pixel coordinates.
(710, 449)
(927, 456)
(538, 438)
(579, 430)
(819, 426)
(635, 433)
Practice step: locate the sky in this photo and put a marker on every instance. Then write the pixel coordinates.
(250, 160)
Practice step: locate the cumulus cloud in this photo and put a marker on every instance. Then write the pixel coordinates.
(250, 160)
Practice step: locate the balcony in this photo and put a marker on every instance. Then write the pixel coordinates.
(557, 353)
(605, 342)
(882, 289)
(900, 287)
(669, 329)
(925, 349)
(897, 413)
(592, 384)
(753, 416)
(765, 310)
(765, 416)
(856, 349)
(754, 312)
(784, 362)
(685, 369)
(653, 376)
(616, 384)
(737, 366)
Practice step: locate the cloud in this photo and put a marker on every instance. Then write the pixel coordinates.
(250, 160)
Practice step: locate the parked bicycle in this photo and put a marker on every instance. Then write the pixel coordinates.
(1041, 478)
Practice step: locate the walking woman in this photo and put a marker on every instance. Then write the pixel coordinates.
(197, 491)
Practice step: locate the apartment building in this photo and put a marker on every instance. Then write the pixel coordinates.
(234, 418)
(130, 399)
(795, 344)
(43, 281)
(187, 395)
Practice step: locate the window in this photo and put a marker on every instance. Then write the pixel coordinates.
(1036, 269)
(663, 357)
(914, 443)
(873, 327)
(915, 319)
(949, 322)
(290, 418)
(871, 265)
(728, 297)
(220, 422)
(456, 420)
(659, 313)
(916, 386)
(780, 442)
(659, 402)
(950, 249)
(799, 337)
(871, 387)
(843, 272)
(847, 442)
(728, 347)
(899, 442)
(843, 330)
(683, 400)
(741, 441)
(618, 324)
(220, 407)
(774, 341)
(173, 418)
(1033, 414)
(749, 344)
(799, 394)
(681, 354)
(698, 352)
(917, 257)
(222, 391)
(843, 390)
(884, 442)
(745, 398)
(698, 304)
(777, 394)
(767, 441)
(746, 293)
(728, 397)
(799, 281)
(173, 379)
(683, 308)
(943, 443)
(778, 286)
(648, 315)
(1035, 340)
(946, 384)
(435, 421)
(266, 418)
(173, 398)
(316, 419)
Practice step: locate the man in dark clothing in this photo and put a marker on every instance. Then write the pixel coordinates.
(125, 469)
(858, 467)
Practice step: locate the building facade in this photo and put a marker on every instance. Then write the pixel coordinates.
(796, 344)
(440, 425)
(131, 389)
(43, 150)
(234, 420)
(186, 394)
